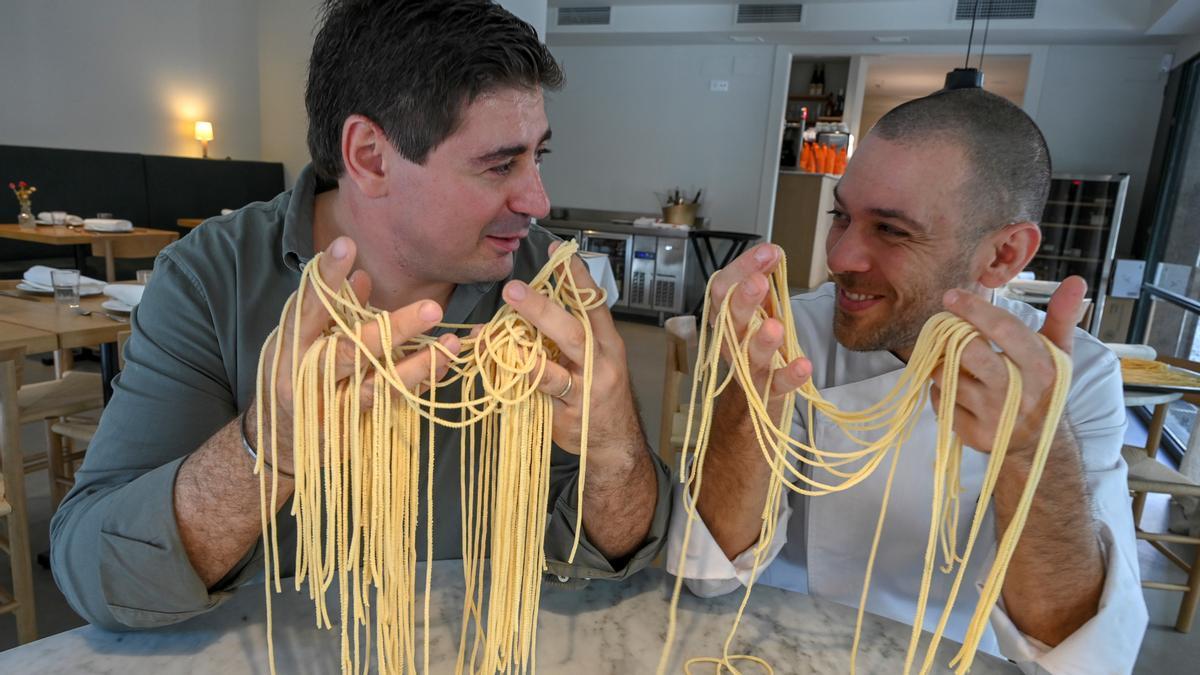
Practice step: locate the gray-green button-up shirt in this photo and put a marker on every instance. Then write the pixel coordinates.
(190, 367)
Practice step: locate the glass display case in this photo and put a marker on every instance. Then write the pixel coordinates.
(1079, 233)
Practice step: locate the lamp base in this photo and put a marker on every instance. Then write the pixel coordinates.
(964, 78)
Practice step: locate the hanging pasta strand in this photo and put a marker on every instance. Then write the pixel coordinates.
(878, 432)
(358, 500)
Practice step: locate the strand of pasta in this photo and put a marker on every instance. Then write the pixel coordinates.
(357, 495)
(940, 344)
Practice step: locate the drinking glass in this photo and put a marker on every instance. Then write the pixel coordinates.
(66, 287)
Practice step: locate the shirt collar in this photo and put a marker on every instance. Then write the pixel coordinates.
(298, 220)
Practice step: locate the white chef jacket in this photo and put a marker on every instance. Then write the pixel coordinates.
(821, 545)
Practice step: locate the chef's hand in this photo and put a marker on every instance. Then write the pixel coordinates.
(749, 272)
(614, 427)
(983, 379)
(407, 322)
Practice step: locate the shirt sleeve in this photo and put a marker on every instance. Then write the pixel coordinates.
(1110, 640)
(116, 550)
(707, 571)
(589, 562)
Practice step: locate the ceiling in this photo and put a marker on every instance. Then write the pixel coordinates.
(907, 76)
(859, 22)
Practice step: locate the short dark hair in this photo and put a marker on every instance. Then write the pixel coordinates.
(1007, 152)
(411, 66)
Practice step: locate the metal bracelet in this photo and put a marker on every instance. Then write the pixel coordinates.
(254, 455)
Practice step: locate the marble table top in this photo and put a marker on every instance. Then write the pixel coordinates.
(607, 627)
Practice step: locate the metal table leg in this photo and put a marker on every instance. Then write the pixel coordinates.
(109, 366)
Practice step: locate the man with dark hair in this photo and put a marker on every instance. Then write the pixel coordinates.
(427, 130)
(937, 209)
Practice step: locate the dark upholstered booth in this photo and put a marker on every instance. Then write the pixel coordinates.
(148, 190)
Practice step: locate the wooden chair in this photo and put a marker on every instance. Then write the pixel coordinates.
(67, 439)
(73, 393)
(681, 336)
(144, 246)
(19, 600)
(1148, 475)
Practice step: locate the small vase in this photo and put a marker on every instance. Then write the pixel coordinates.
(25, 218)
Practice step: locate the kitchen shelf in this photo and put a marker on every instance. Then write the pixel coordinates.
(1081, 199)
(1044, 256)
(1100, 228)
(1093, 204)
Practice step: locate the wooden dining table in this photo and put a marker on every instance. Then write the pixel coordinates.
(188, 222)
(103, 243)
(67, 328)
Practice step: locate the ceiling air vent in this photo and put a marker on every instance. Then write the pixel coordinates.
(764, 13)
(584, 16)
(995, 9)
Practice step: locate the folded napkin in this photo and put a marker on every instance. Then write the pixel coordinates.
(600, 268)
(130, 294)
(226, 212)
(58, 218)
(1127, 351)
(38, 276)
(107, 225)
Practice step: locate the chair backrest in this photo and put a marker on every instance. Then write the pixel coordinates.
(1193, 366)
(137, 247)
(680, 334)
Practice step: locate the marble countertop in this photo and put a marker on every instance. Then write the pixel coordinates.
(607, 627)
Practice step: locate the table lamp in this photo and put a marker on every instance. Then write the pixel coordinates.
(204, 134)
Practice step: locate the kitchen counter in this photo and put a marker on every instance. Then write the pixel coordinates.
(619, 228)
(604, 628)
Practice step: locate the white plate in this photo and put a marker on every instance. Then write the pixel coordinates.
(114, 305)
(1033, 286)
(84, 291)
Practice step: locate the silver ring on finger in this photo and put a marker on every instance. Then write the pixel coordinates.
(567, 389)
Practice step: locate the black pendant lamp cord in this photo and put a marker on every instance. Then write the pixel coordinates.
(986, 26)
(971, 37)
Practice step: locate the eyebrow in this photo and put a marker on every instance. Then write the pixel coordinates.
(509, 151)
(891, 214)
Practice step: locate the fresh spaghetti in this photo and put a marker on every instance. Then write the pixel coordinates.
(358, 498)
(892, 420)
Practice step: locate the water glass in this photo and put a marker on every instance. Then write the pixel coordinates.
(66, 287)
(143, 276)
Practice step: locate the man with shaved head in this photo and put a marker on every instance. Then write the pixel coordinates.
(937, 209)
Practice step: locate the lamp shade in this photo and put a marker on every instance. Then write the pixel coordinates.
(204, 131)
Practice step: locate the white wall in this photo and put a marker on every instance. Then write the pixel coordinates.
(532, 12)
(285, 42)
(1188, 47)
(1099, 109)
(130, 75)
(635, 120)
